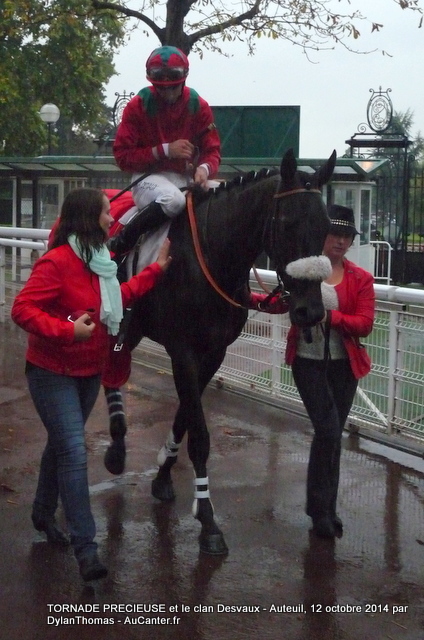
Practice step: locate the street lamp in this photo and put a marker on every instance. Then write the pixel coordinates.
(49, 114)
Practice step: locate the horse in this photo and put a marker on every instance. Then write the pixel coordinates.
(282, 213)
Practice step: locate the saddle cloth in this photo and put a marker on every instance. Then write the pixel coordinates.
(118, 365)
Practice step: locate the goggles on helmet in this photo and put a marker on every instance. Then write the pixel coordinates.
(167, 75)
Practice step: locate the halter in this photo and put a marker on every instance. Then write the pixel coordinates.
(282, 194)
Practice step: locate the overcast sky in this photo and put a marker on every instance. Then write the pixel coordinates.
(332, 92)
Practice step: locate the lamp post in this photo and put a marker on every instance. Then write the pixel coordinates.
(49, 114)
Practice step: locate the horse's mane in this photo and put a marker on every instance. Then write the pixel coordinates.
(240, 180)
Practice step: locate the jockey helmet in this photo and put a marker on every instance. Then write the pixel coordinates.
(167, 66)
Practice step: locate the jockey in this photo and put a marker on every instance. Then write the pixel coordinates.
(166, 131)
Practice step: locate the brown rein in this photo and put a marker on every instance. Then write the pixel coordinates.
(199, 254)
(203, 265)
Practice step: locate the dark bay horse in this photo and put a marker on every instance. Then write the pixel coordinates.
(282, 214)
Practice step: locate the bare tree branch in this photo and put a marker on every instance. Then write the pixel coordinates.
(310, 24)
(129, 13)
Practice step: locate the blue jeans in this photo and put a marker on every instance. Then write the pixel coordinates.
(64, 404)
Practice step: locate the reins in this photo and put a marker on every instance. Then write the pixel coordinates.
(197, 248)
(199, 254)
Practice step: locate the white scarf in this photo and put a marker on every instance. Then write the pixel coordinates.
(111, 311)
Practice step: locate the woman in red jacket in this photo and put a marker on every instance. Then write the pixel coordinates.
(327, 362)
(70, 305)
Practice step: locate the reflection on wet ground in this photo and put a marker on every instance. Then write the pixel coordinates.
(278, 580)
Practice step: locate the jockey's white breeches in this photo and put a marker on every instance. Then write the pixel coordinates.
(163, 188)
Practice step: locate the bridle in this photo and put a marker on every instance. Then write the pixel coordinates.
(282, 194)
(195, 235)
(305, 189)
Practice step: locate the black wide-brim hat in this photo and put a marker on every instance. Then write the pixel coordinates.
(342, 219)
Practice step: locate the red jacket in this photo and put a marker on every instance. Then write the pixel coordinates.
(148, 122)
(354, 318)
(60, 284)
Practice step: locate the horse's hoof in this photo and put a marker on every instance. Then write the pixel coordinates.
(213, 544)
(163, 490)
(115, 457)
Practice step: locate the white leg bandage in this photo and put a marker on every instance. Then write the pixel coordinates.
(169, 450)
(201, 490)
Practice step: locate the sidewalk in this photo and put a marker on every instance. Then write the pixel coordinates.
(277, 582)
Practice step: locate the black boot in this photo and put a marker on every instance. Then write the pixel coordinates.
(148, 218)
(322, 487)
(91, 568)
(48, 525)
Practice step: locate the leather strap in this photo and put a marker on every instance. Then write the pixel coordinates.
(283, 194)
(195, 236)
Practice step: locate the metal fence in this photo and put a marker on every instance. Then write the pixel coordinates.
(389, 404)
(399, 215)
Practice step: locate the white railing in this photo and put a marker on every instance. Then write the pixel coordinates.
(382, 261)
(389, 404)
(22, 256)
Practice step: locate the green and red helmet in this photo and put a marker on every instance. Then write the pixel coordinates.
(167, 66)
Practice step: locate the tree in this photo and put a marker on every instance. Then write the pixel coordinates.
(401, 124)
(57, 51)
(61, 51)
(196, 24)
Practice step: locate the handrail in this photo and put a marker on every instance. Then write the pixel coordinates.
(389, 401)
(24, 232)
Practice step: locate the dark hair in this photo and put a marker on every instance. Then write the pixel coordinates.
(80, 214)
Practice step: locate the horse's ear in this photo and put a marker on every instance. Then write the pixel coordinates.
(325, 172)
(288, 166)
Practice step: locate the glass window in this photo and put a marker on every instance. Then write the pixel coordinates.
(344, 197)
(6, 202)
(49, 205)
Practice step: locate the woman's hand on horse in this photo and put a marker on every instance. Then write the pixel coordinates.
(83, 328)
(164, 259)
(181, 149)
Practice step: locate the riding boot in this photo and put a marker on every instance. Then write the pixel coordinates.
(322, 487)
(148, 218)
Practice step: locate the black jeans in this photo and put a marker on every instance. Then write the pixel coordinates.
(327, 391)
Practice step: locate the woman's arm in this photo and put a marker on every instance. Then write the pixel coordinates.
(360, 322)
(39, 293)
(145, 280)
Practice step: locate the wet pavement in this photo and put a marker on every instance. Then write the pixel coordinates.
(278, 581)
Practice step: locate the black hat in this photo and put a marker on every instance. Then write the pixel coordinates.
(342, 219)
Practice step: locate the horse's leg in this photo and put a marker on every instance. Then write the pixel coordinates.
(115, 454)
(162, 486)
(211, 539)
(191, 378)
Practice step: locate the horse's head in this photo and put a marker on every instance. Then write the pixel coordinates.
(298, 230)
